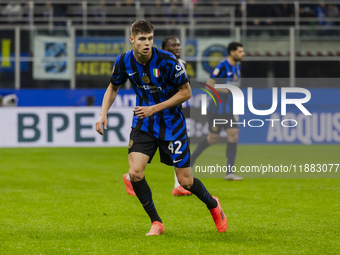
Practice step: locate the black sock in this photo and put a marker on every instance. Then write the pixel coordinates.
(201, 192)
(203, 144)
(231, 155)
(143, 192)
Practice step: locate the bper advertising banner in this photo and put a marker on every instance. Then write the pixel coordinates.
(62, 127)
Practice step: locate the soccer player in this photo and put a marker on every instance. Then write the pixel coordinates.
(172, 45)
(229, 71)
(161, 86)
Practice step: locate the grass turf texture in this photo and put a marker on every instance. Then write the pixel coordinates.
(73, 201)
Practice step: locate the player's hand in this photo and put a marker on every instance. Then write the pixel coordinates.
(102, 120)
(144, 111)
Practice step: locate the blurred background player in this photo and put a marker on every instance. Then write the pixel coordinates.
(173, 45)
(227, 71)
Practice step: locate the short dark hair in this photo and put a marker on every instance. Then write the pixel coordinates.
(141, 26)
(166, 39)
(233, 46)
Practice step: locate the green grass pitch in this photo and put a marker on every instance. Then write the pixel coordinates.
(73, 201)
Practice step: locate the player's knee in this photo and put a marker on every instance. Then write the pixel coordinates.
(232, 135)
(136, 175)
(233, 138)
(186, 183)
(212, 139)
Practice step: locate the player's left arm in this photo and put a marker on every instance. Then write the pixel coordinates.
(183, 94)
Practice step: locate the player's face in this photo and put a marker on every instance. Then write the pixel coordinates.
(142, 43)
(237, 54)
(174, 46)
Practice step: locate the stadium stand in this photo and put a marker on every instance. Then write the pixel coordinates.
(262, 25)
(252, 13)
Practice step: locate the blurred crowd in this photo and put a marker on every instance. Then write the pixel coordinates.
(175, 12)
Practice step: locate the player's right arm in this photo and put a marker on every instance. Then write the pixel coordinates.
(109, 98)
(118, 78)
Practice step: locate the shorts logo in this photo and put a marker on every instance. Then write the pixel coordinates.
(130, 143)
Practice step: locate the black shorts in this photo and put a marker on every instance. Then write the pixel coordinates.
(229, 118)
(172, 153)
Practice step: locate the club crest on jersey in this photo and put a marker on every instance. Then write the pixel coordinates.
(146, 79)
(156, 72)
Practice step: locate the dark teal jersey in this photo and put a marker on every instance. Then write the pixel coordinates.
(155, 82)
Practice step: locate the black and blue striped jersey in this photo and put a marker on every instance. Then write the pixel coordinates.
(225, 73)
(155, 82)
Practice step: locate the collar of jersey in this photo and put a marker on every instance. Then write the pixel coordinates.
(133, 57)
(231, 64)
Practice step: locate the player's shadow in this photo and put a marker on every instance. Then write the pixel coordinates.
(231, 236)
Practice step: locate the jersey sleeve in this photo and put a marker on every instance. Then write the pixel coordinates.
(239, 68)
(118, 76)
(183, 63)
(177, 74)
(218, 72)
